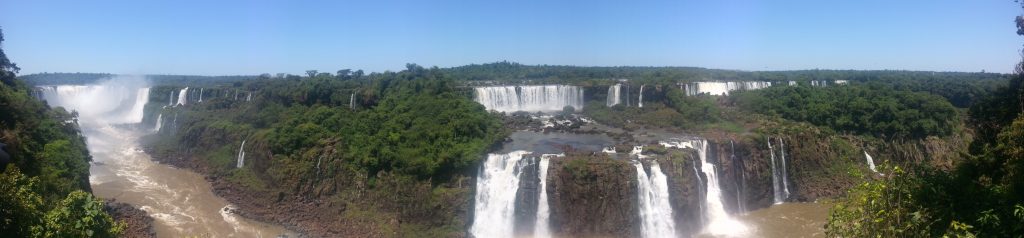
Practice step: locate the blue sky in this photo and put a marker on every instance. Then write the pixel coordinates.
(252, 37)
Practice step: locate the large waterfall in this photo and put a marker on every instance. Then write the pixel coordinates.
(498, 184)
(201, 94)
(614, 93)
(655, 210)
(241, 156)
(719, 222)
(352, 101)
(496, 188)
(183, 96)
(116, 104)
(780, 181)
(534, 98)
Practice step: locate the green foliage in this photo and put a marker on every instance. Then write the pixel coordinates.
(80, 215)
(21, 209)
(875, 109)
(881, 208)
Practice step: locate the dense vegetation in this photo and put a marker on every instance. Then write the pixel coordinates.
(408, 141)
(44, 186)
(983, 196)
(868, 109)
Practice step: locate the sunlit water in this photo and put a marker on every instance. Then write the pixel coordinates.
(787, 220)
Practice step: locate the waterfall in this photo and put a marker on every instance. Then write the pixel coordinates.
(655, 210)
(248, 97)
(740, 182)
(780, 178)
(871, 162)
(241, 155)
(785, 174)
(614, 92)
(159, 122)
(236, 94)
(114, 104)
(700, 192)
(183, 96)
(723, 88)
(544, 98)
(640, 101)
(352, 101)
(170, 98)
(138, 110)
(201, 94)
(543, 226)
(776, 184)
(496, 187)
(719, 222)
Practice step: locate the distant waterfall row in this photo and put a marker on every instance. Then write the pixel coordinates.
(114, 104)
(499, 195)
(185, 96)
(721, 88)
(534, 98)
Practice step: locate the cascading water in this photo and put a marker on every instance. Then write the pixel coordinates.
(201, 94)
(543, 227)
(722, 88)
(170, 98)
(183, 96)
(740, 182)
(655, 210)
(496, 187)
(785, 174)
(613, 95)
(352, 101)
(248, 97)
(543, 98)
(871, 162)
(241, 156)
(780, 181)
(640, 101)
(159, 122)
(719, 222)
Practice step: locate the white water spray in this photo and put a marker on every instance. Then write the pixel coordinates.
(201, 94)
(655, 210)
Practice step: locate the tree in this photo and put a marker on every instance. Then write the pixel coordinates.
(311, 73)
(80, 215)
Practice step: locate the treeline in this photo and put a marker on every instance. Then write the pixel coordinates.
(44, 187)
(962, 89)
(866, 109)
